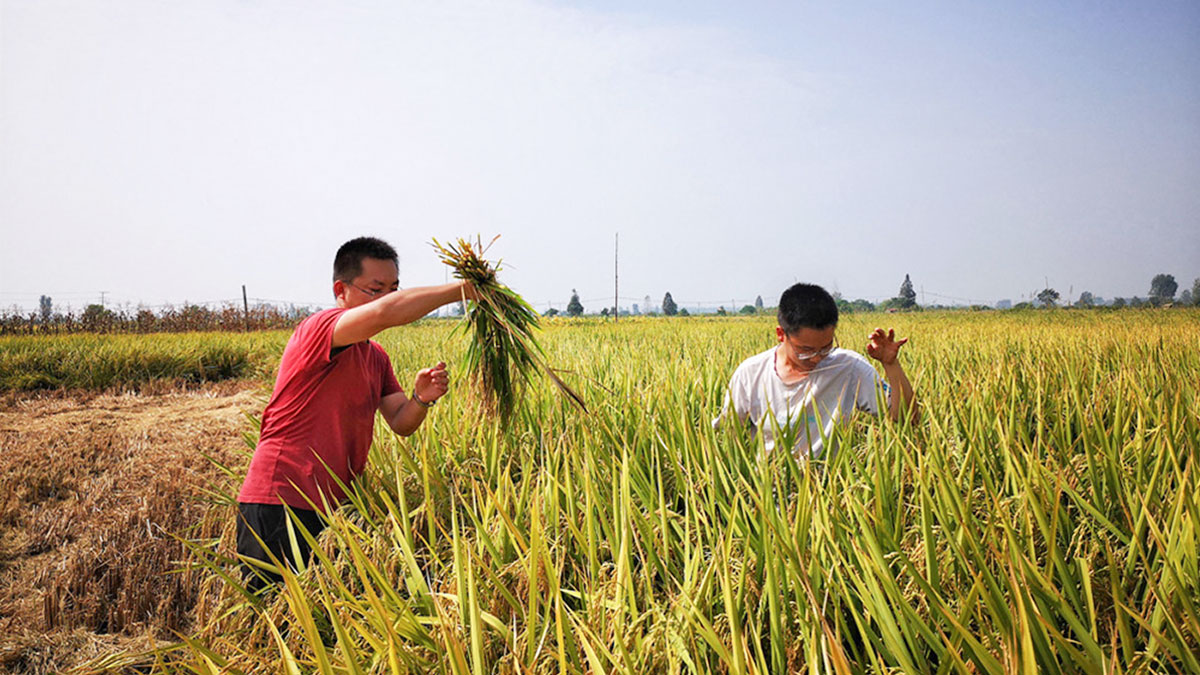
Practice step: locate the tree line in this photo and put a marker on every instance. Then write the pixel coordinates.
(1163, 288)
(96, 318)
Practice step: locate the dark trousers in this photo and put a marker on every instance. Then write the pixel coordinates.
(269, 522)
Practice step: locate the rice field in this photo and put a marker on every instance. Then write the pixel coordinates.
(96, 362)
(1040, 517)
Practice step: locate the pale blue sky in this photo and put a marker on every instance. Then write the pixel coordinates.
(171, 151)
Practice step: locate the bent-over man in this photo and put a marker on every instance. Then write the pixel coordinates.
(804, 386)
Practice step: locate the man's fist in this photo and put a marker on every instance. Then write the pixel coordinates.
(432, 383)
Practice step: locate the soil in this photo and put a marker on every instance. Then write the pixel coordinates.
(92, 488)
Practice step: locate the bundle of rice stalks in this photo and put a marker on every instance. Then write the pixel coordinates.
(502, 353)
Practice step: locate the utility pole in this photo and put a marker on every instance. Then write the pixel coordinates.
(616, 285)
(102, 294)
(246, 308)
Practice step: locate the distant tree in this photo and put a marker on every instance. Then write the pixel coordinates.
(907, 297)
(96, 317)
(1185, 298)
(721, 311)
(861, 305)
(747, 309)
(550, 312)
(683, 312)
(758, 303)
(1135, 301)
(604, 312)
(669, 306)
(1196, 292)
(1086, 299)
(1162, 288)
(574, 307)
(47, 308)
(1023, 305)
(1048, 297)
(1118, 303)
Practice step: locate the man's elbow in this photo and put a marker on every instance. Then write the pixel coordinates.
(401, 429)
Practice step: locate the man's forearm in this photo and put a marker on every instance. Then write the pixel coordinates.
(408, 418)
(902, 398)
(408, 305)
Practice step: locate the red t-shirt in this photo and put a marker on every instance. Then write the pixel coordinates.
(322, 410)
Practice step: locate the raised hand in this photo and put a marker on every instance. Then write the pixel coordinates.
(432, 383)
(883, 346)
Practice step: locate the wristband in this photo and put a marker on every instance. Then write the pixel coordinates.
(423, 404)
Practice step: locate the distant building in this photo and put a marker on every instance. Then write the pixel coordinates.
(1004, 304)
(635, 308)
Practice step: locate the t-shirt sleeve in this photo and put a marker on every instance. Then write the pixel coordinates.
(737, 400)
(871, 389)
(312, 342)
(388, 384)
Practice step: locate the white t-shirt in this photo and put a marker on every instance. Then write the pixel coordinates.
(843, 382)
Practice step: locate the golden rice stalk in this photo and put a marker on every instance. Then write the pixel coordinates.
(503, 352)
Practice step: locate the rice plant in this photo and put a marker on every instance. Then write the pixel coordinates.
(502, 352)
(1040, 517)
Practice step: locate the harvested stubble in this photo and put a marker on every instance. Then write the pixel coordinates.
(1041, 517)
(94, 488)
(502, 352)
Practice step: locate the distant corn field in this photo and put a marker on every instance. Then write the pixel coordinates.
(182, 319)
(1040, 517)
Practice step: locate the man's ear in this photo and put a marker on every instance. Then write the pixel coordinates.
(339, 289)
(779, 333)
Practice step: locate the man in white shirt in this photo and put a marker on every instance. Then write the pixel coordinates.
(800, 390)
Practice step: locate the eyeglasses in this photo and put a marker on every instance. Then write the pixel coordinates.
(373, 294)
(806, 355)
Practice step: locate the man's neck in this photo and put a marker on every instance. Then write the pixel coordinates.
(788, 373)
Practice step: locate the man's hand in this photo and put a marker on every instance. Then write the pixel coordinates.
(884, 347)
(432, 383)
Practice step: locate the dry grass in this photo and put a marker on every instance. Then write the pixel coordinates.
(93, 485)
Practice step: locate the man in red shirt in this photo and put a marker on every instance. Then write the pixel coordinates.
(332, 379)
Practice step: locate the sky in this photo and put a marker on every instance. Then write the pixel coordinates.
(167, 151)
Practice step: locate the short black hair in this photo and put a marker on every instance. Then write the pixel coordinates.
(806, 306)
(347, 264)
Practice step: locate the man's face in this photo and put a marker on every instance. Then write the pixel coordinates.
(807, 347)
(378, 278)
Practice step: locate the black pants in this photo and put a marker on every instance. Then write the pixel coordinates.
(269, 521)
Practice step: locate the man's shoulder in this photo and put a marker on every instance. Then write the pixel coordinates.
(756, 364)
(846, 360)
(318, 322)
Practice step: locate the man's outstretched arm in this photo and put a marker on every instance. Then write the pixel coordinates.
(885, 348)
(396, 309)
